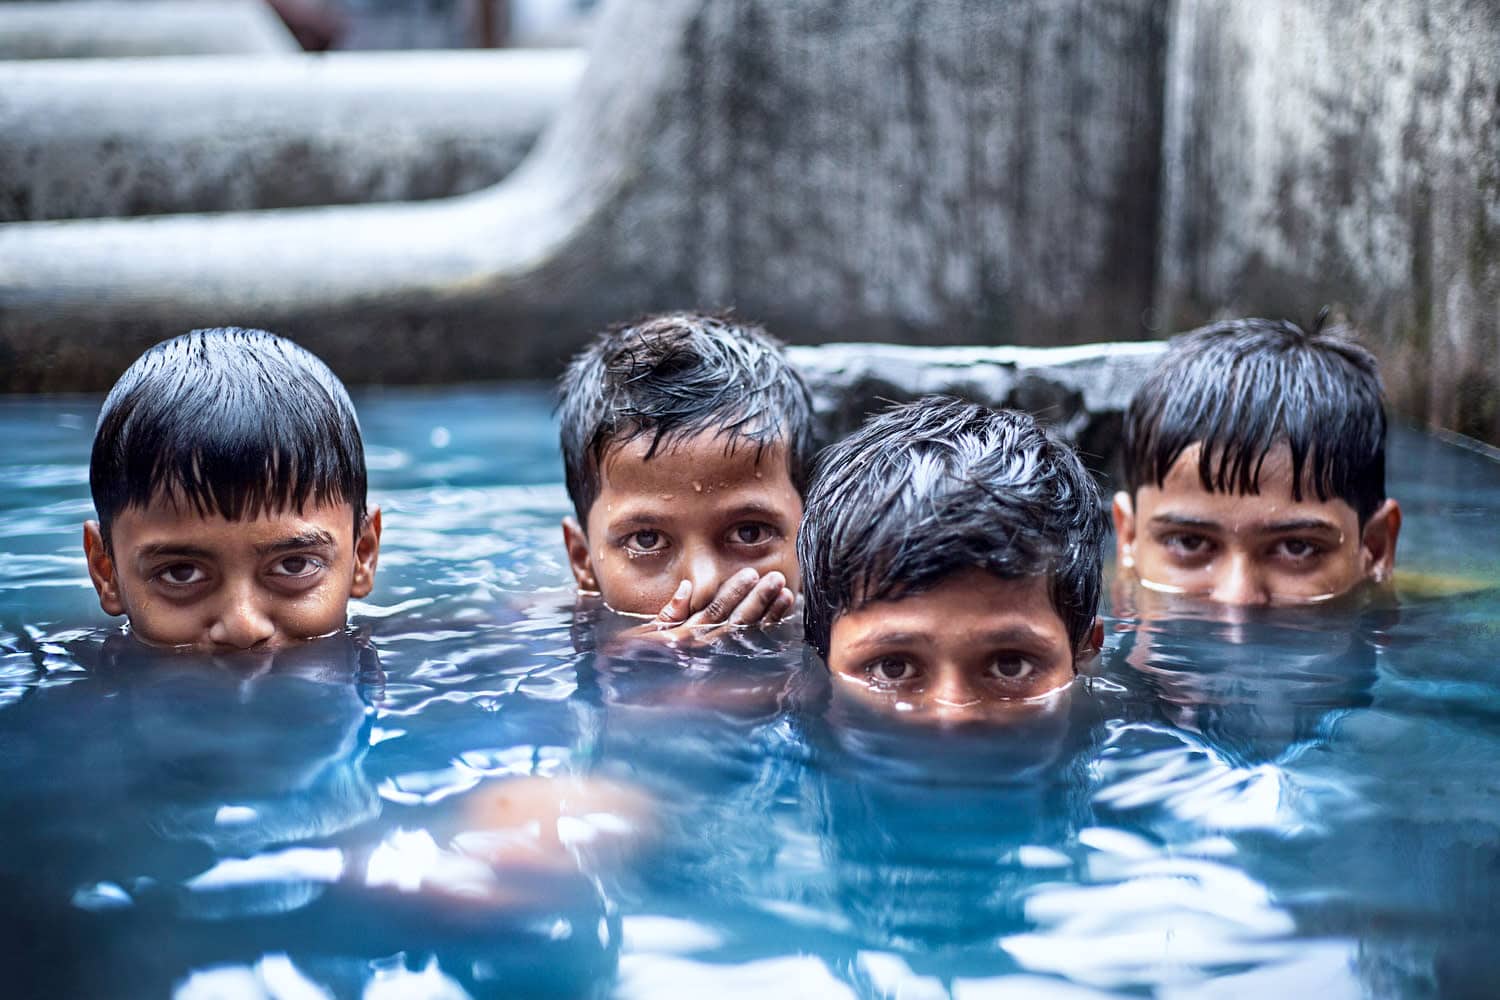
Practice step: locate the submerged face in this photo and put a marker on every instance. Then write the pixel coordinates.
(974, 648)
(1251, 549)
(216, 585)
(693, 512)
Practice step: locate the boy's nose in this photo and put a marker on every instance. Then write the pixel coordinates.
(708, 575)
(240, 623)
(1240, 583)
(952, 698)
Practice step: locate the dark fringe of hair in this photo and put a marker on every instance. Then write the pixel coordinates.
(1241, 388)
(934, 487)
(672, 377)
(227, 421)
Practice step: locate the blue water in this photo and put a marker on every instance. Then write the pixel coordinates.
(1298, 804)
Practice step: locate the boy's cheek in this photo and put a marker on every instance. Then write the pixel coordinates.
(625, 589)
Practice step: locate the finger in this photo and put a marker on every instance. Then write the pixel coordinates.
(782, 607)
(759, 601)
(731, 593)
(678, 608)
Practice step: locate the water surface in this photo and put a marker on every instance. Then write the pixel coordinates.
(1299, 803)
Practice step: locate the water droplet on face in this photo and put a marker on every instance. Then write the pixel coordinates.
(697, 486)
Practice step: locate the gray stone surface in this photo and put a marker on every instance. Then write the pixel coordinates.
(929, 170)
(79, 29)
(97, 138)
(1081, 392)
(1344, 152)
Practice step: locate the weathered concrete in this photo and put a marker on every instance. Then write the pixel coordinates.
(875, 169)
(79, 29)
(1345, 152)
(93, 138)
(1080, 392)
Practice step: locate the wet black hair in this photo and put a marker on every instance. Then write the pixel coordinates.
(935, 487)
(673, 376)
(227, 421)
(1242, 387)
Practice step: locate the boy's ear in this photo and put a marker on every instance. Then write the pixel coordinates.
(1093, 642)
(102, 569)
(366, 555)
(1123, 512)
(1377, 542)
(577, 544)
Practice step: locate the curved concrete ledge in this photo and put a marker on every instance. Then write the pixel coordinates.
(1081, 392)
(110, 138)
(86, 29)
(753, 154)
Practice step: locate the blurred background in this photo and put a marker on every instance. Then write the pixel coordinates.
(436, 190)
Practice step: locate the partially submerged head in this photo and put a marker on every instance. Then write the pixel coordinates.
(951, 560)
(1255, 467)
(228, 474)
(685, 440)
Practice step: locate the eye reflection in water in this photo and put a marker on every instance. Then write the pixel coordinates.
(1256, 683)
(251, 750)
(933, 835)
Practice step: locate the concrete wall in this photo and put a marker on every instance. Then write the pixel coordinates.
(932, 172)
(1344, 152)
(86, 29)
(112, 138)
(876, 169)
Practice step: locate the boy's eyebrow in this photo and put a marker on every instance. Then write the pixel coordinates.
(755, 509)
(310, 539)
(640, 518)
(158, 549)
(1300, 524)
(1270, 527)
(1009, 634)
(1183, 521)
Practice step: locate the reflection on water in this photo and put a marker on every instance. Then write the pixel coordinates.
(483, 790)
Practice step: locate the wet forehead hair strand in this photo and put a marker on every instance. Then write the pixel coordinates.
(935, 487)
(674, 376)
(231, 422)
(1240, 388)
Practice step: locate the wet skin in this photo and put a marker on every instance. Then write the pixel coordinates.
(696, 535)
(1255, 549)
(974, 648)
(219, 586)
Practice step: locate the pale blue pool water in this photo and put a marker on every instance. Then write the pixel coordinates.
(1299, 804)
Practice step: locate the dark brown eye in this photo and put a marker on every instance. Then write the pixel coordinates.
(646, 541)
(1187, 545)
(182, 574)
(752, 533)
(1011, 668)
(891, 669)
(1298, 548)
(296, 566)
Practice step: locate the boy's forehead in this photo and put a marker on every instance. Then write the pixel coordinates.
(167, 518)
(1274, 480)
(969, 603)
(687, 458)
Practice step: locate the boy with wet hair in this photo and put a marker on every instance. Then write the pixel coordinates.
(228, 474)
(685, 441)
(1255, 468)
(951, 561)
